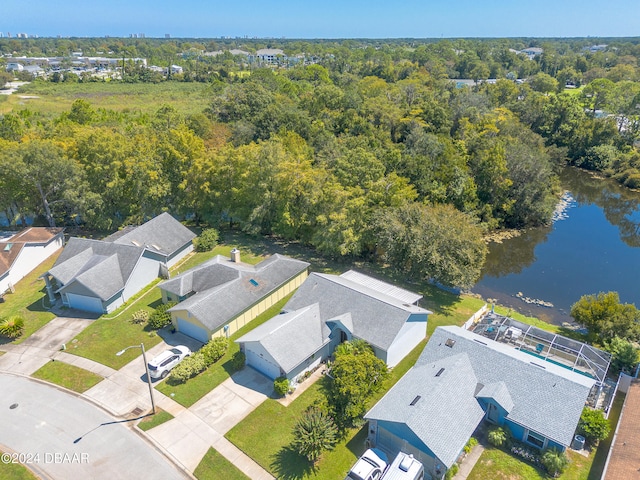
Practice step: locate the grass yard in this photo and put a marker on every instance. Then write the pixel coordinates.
(30, 300)
(110, 334)
(195, 388)
(15, 471)
(135, 98)
(499, 465)
(161, 416)
(214, 466)
(68, 376)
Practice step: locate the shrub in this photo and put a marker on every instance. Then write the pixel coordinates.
(498, 437)
(141, 316)
(470, 444)
(238, 361)
(214, 349)
(160, 317)
(452, 472)
(281, 386)
(314, 433)
(554, 461)
(12, 327)
(188, 368)
(593, 425)
(207, 240)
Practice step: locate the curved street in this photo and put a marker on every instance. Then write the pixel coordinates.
(63, 436)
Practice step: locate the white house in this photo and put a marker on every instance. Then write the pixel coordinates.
(329, 309)
(24, 251)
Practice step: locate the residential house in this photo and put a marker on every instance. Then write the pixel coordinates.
(224, 294)
(20, 253)
(329, 309)
(462, 378)
(166, 238)
(100, 275)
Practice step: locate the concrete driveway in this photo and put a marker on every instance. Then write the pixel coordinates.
(40, 346)
(66, 437)
(188, 436)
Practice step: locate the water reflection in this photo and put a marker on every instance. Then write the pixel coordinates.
(621, 206)
(595, 247)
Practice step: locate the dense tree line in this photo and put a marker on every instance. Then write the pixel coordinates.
(371, 153)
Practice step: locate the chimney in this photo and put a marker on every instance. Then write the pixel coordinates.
(235, 255)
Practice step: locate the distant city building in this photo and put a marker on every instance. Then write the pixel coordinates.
(167, 35)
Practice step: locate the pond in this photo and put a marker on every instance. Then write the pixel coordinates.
(592, 246)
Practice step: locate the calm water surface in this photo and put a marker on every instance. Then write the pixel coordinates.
(594, 246)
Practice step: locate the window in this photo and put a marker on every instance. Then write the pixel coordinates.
(535, 439)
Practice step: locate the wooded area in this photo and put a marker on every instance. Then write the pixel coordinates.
(371, 150)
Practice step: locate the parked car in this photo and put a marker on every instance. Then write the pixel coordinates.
(370, 466)
(161, 365)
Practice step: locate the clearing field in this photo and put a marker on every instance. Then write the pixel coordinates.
(51, 99)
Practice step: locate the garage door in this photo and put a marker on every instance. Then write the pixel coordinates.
(192, 330)
(82, 302)
(264, 366)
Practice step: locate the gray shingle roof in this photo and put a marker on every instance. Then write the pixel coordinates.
(214, 272)
(101, 267)
(217, 303)
(445, 415)
(376, 316)
(499, 393)
(163, 234)
(546, 398)
(291, 338)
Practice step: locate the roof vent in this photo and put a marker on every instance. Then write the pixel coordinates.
(253, 282)
(235, 255)
(406, 462)
(415, 400)
(7, 247)
(440, 372)
(450, 342)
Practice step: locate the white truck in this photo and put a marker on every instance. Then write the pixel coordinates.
(372, 465)
(404, 467)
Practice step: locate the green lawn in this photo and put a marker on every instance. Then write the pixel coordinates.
(110, 334)
(214, 466)
(161, 416)
(194, 389)
(499, 465)
(15, 471)
(29, 300)
(68, 376)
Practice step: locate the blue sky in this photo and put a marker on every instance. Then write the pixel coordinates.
(323, 18)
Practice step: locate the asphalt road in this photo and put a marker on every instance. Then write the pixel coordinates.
(65, 437)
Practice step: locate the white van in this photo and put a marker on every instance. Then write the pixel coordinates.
(404, 467)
